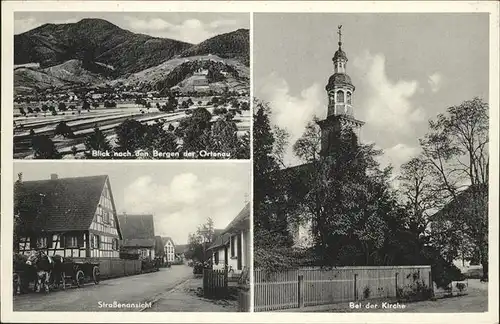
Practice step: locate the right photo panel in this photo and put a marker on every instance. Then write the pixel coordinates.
(370, 152)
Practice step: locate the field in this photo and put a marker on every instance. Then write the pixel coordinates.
(83, 122)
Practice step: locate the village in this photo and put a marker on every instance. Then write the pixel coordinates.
(98, 260)
(59, 124)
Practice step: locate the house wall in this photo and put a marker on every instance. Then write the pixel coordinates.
(235, 253)
(221, 261)
(170, 251)
(103, 238)
(68, 244)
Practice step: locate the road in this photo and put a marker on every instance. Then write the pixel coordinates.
(134, 289)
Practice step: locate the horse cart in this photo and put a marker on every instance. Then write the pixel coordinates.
(78, 272)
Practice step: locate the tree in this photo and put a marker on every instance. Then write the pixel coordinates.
(200, 241)
(456, 147)
(224, 136)
(30, 110)
(95, 104)
(270, 186)
(45, 108)
(62, 106)
(130, 135)
(86, 105)
(96, 141)
(63, 129)
(44, 148)
(22, 111)
(195, 130)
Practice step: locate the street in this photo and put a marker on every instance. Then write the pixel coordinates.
(134, 289)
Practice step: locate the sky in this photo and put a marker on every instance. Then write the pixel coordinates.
(188, 27)
(180, 196)
(407, 68)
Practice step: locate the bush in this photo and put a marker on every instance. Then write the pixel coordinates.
(63, 129)
(219, 111)
(415, 291)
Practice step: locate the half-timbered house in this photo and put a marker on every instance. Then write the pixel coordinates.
(138, 233)
(71, 217)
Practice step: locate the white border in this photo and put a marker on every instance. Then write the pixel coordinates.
(243, 6)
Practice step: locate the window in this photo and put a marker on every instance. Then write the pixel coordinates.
(105, 216)
(115, 244)
(71, 241)
(41, 242)
(233, 247)
(348, 97)
(95, 242)
(340, 96)
(216, 257)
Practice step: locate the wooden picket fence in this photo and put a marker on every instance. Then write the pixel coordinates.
(315, 286)
(215, 283)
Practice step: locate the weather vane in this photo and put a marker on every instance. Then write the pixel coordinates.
(340, 34)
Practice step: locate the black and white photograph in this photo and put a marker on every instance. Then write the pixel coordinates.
(101, 237)
(131, 85)
(371, 162)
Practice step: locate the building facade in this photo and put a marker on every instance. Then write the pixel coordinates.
(138, 235)
(169, 249)
(71, 217)
(231, 249)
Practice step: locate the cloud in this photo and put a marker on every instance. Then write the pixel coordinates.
(435, 82)
(389, 105)
(190, 30)
(184, 203)
(291, 113)
(398, 155)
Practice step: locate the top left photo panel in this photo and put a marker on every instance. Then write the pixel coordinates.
(127, 85)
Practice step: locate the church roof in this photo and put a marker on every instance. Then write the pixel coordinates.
(338, 78)
(339, 54)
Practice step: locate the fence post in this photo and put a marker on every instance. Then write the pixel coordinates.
(431, 284)
(355, 286)
(301, 291)
(396, 285)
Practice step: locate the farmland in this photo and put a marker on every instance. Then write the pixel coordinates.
(83, 122)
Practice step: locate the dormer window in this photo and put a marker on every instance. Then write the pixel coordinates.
(340, 96)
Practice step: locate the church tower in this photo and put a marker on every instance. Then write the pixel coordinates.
(340, 91)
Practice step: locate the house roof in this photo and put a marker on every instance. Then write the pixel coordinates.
(137, 227)
(240, 222)
(64, 204)
(221, 240)
(149, 243)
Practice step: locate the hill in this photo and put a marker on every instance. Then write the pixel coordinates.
(235, 45)
(94, 40)
(72, 72)
(178, 72)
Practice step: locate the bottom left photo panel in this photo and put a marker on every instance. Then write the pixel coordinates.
(132, 236)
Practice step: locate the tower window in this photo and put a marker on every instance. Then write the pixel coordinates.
(349, 98)
(340, 96)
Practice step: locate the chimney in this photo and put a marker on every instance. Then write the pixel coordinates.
(53, 176)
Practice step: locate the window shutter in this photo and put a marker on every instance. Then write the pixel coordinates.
(79, 240)
(62, 238)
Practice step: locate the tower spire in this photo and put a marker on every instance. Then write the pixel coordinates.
(339, 32)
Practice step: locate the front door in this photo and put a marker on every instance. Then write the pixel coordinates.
(226, 257)
(239, 252)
